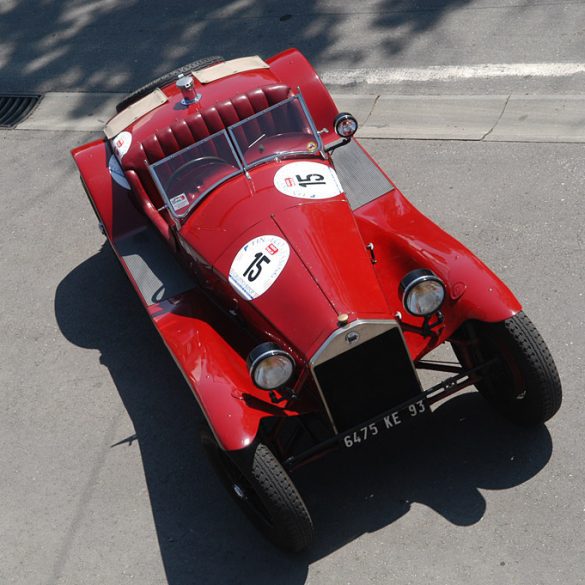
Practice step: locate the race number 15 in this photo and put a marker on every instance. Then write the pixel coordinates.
(254, 270)
(311, 179)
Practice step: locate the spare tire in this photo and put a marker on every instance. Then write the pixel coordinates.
(166, 78)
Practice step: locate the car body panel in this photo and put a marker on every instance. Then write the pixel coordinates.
(326, 237)
(294, 306)
(234, 207)
(406, 239)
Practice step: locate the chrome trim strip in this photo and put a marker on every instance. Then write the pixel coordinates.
(311, 123)
(337, 344)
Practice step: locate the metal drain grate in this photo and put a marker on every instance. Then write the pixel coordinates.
(16, 108)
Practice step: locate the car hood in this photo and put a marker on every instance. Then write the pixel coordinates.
(298, 263)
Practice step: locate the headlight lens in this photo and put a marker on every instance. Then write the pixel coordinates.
(270, 367)
(423, 292)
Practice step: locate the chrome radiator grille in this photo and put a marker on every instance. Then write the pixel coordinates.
(366, 372)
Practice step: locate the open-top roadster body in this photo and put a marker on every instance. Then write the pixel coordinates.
(296, 288)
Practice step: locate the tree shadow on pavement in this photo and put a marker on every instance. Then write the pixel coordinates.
(118, 46)
(442, 464)
(403, 20)
(114, 46)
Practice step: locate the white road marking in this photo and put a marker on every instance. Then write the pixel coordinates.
(450, 73)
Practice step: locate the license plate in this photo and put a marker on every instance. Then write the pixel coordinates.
(386, 422)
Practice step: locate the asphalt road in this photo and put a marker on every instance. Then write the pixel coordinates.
(102, 478)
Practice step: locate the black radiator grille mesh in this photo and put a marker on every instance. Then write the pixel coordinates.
(367, 380)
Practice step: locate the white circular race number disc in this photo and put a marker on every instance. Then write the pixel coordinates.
(257, 266)
(307, 180)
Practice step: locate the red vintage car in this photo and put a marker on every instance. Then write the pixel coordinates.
(296, 288)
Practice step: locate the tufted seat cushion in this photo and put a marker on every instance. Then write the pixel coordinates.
(187, 131)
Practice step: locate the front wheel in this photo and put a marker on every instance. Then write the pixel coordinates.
(522, 383)
(264, 491)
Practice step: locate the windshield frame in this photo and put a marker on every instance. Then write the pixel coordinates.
(239, 157)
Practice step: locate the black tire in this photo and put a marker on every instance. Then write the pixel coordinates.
(523, 384)
(166, 78)
(264, 491)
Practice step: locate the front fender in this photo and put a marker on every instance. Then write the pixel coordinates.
(210, 355)
(405, 239)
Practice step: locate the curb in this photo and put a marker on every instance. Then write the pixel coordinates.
(497, 118)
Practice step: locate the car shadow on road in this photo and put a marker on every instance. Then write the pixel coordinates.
(443, 464)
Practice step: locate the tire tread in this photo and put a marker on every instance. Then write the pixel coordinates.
(291, 527)
(276, 483)
(526, 366)
(546, 377)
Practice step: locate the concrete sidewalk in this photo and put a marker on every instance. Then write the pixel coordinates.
(504, 118)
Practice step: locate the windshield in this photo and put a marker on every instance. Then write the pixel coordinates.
(186, 177)
(281, 129)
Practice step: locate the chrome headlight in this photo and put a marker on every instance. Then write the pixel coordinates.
(423, 292)
(270, 367)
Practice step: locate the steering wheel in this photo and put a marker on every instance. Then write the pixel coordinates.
(189, 165)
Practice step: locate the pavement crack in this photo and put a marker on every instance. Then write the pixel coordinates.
(498, 120)
(371, 109)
